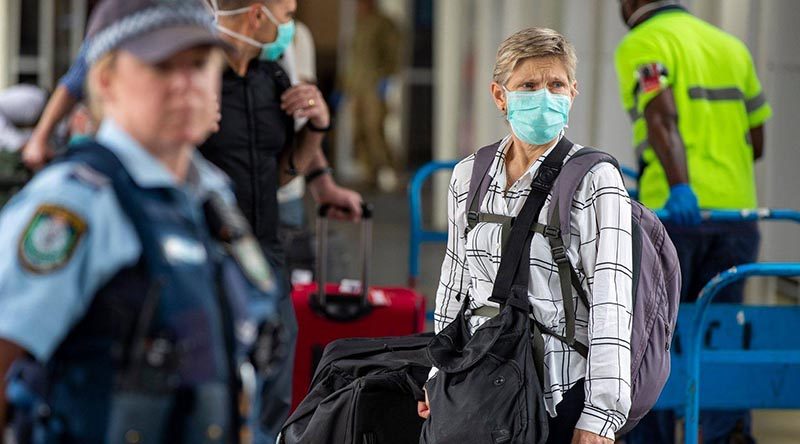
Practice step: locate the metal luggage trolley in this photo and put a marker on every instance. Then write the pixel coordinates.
(418, 235)
(753, 352)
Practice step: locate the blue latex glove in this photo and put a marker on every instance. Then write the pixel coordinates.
(682, 205)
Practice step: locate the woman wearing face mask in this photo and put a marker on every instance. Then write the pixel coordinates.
(534, 87)
(257, 146)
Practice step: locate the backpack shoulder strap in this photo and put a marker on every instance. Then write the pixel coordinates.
(575, 169)
(479, 182)
(572, 174)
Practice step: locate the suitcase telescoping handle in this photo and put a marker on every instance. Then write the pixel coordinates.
(322, 254)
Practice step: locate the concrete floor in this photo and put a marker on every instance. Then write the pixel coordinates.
(390, 267)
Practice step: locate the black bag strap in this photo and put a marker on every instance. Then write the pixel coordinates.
(514, 248)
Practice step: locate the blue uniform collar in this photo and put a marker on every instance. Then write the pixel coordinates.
(148, 172)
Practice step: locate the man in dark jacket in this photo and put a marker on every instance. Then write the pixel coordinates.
(256, 145)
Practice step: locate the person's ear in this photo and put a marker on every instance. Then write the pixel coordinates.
(499, 97)
(573, 90)
(104, 77)
(254, 16)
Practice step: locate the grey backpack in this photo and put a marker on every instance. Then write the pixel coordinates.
(656, 273)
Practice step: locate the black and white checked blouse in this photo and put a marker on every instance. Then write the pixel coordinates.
(601, 253)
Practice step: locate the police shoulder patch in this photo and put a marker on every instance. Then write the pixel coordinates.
(50, 239)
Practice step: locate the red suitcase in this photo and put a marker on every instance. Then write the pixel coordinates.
(347, 312)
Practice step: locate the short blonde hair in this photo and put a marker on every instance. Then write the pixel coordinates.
(533, 42)
(104, 64)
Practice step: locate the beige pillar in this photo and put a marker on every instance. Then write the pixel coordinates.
(47, 28)
(78, 25)
(487, 122)
(780, 74)
(346, 164)
(449, 33)
(9, 41)
(734, 17)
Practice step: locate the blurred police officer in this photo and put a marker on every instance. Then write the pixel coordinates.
(131, 279)
(698, 114)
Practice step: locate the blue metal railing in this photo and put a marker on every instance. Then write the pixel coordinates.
(743, 215)
(418, 235)
(695, 349)
(629, 172)
(695, 354)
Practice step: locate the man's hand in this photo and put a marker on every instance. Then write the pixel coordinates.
(36, 153)
(584, 437)
(305, 100)
(346, 203)
(424, 407)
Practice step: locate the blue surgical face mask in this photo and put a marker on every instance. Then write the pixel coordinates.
(273, 51)
(269, 51)
(537, 117)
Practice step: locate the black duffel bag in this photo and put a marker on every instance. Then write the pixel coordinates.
(487, 389)
(365, 391)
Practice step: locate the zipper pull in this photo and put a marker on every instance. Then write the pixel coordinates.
(667, 331)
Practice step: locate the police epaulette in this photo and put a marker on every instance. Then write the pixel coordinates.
(89, 176)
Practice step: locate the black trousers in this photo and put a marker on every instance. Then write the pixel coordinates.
(276, 392)
(568, 411)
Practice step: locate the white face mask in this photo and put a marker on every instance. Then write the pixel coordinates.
(234, 34)
(270, 50)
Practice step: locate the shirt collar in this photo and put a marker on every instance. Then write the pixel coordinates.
(658, 11)
(500, 165)
(202, 177)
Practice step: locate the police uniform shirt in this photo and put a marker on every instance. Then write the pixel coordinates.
(602, 256)
(65, 235)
